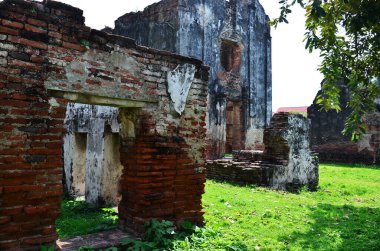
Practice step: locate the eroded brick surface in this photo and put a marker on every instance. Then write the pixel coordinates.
(327, 137)
(47, 58)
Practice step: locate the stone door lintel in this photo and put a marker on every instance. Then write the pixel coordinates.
(86, 98)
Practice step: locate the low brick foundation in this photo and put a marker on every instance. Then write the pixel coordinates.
(343, 150)
(240, 172)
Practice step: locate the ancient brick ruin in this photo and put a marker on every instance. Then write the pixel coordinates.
(96, 115)
(329, 142)
(154, 28)
(233, 38)
(286, 163)
(49, 59)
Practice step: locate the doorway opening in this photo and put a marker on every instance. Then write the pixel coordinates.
(91, 154)
(92, 169)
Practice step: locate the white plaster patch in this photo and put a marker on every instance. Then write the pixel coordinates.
(58, 62)
(53, 103)
(180, 80)
(254, 137)
(364, 142)
(114, 59)
(77, 72)
(206, 13)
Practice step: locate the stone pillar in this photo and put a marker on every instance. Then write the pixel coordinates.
(94, 161)
(112, 169)
(75, 163)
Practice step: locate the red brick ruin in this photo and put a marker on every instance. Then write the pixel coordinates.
(48, 57)
(327, 139)
(162, 113)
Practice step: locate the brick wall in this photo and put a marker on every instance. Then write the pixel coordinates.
(364, 151)
(47, 58)
(328, 140)
(162, 11)
(240, 172)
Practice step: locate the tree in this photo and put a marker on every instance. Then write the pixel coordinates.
(347, 34)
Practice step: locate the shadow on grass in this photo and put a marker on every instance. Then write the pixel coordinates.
(340, 228)
(80, 218)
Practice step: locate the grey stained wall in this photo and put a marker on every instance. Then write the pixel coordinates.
(287, 143)
(234, 39)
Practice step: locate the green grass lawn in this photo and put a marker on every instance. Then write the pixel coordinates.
(344, 214)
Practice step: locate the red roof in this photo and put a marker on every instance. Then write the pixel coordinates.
(300, 109)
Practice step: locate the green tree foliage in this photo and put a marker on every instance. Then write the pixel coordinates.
(347, 34)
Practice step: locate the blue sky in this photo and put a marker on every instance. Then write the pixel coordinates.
(296, 80)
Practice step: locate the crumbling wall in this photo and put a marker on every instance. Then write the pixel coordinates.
(233, 37)
(48, 58)
(327, 137)
(287, 143)
(287, 162)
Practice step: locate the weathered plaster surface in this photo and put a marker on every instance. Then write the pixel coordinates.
(179, 81)
(75, 163)
(82, 76)
(197, 28)
(254, 138)
(112, 169)
(302, 168)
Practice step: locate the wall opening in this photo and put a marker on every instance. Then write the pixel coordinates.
(230, 55)
(92, 154)
(93, 170)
